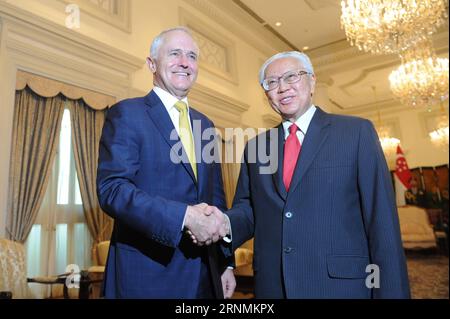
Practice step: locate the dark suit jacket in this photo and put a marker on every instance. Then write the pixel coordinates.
(147, 195)
(338, 217)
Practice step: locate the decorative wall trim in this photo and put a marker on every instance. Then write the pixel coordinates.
(392, 124)
(429, 120)
(221, 109)
(45, 48)
(114, 12)
(271, 120)
(217, 51)
(370, 109)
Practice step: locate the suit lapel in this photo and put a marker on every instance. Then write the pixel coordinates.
(162, 121)
(278, 175)
(315, 137)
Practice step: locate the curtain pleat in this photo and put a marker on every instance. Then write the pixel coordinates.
(36, 124)
(87, 126)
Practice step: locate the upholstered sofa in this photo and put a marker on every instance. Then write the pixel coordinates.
(415, 227)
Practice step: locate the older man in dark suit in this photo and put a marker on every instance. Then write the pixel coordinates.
(325, 223)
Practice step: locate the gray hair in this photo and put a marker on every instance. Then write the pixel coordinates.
(158, 41)
(301, 57)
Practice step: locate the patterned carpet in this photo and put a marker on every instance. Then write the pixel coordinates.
(428, 275)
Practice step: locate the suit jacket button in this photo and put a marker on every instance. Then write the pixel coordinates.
(288, 214)
(287, 250)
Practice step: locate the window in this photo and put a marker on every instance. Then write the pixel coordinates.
(60, 235)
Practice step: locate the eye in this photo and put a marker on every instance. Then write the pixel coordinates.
(291, 77)
(192, 56)
(174, 53)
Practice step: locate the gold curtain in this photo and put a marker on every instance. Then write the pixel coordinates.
(230, 171)
(87, 126)
(37, 121)
(46, 87)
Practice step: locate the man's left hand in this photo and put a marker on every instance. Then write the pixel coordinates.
(228, 283)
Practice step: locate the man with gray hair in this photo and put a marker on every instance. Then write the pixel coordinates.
(325, 224)
(155, 199)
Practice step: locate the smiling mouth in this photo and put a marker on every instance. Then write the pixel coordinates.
(182, 73)
(286, 100)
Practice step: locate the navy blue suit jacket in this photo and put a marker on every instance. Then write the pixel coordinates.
(147, 194)
(339, 216)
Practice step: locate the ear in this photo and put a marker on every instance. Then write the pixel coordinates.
(151, 63)
(313, 84)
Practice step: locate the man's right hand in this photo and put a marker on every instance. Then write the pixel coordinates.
(206, 224)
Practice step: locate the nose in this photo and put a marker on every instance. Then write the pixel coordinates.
(282, 86)
(183, 61)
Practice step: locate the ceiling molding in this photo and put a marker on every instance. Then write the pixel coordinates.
(232, 18)
(340, 56)
(316, 5)
(364, 74)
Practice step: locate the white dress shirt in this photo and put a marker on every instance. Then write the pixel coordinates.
(302, 123)
(169, 103)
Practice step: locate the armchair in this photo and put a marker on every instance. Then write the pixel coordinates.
(415, 227)
(96, 272)
(244, 267)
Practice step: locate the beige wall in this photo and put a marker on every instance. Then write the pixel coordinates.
(413, 134)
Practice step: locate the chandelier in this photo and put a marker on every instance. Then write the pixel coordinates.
(388, 144)
(439, 137)
(390, 26)
(422, 78)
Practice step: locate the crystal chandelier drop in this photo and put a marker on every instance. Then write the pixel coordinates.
(422, 78)
(390, 26)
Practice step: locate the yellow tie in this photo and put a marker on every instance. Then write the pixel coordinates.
(186, 134)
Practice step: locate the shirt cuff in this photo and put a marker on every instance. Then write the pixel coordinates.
(229, 237)
(184, 219)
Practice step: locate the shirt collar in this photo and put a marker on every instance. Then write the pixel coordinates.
(302, 122)
(168, 99)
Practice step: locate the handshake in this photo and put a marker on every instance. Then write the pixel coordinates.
(206, 224)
